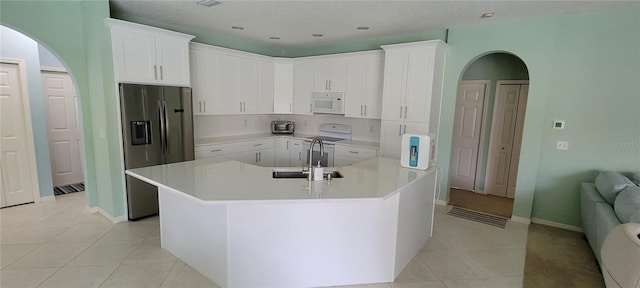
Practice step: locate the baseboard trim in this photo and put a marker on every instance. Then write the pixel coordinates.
(519, 219)
(441, 202)
(556, 224)
(111, 218)
(48, 198)
(91, 210)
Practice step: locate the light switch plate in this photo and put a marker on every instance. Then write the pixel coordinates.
(562, 145)
(558, 124)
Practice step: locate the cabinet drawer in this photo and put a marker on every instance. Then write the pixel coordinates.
(214, 150)
(354, 152)
(255, 145)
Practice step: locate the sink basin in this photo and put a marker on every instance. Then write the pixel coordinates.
(298, 174)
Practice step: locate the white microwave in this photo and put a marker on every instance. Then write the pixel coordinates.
(327, 102)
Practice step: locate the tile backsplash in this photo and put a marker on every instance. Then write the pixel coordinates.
(225, 125)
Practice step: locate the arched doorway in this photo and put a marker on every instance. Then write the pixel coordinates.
(488, 125)
(46, 104)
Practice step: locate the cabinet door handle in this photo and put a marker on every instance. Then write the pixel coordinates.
(299, 156)
(329, 85)
(216, 150)
(405, 111)
(400, 111)
(360, 110)
(354, 152)
(405, 129)
(290, 108)
(256, 157)
(256, 145)
(240, 106)
(155, 72)
(259, 156)
(400, 131)
(365, 110)
(205, 106)
(310, 108)
(161, 75)
(244, 106)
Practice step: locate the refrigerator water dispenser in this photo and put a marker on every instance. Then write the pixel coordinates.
(416, 150)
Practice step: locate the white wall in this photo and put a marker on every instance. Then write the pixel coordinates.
(210, 126)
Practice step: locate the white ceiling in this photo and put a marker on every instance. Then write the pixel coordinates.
(295, 21)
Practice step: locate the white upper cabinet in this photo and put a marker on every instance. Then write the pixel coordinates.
(302, 87)
(266, 87)
(412, 80)
(329, 74)
(229, 82)
(149, 55)
(363, 97)
(283, 86)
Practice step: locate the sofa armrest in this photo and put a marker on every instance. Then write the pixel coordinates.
(621, 256)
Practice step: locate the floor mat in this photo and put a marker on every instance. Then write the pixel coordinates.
(61, 190)
(478, 217)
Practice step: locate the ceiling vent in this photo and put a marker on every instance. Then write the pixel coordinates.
(208, 3)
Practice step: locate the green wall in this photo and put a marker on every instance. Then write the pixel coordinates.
(74, 31)
(493, 67)
(584, 69)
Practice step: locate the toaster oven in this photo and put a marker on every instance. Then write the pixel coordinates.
(282, 127)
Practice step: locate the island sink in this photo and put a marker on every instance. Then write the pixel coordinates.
(277, 174)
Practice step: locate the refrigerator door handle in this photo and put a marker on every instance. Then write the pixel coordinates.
(163, 128)
(166, 126)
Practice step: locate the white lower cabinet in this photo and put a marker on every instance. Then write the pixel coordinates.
(258, 152)
(295, 153)
(391, 136)
(347, 155)
(264, 157)
(281, 152)
(288, 152)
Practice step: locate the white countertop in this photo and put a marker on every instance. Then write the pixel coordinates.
(259, 136)
(221, 180)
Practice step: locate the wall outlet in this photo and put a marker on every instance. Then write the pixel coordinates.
(562, 145)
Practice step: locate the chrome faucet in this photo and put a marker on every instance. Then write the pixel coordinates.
(313, 142)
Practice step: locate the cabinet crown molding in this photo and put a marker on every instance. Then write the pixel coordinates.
(418, 44)
(130, 26)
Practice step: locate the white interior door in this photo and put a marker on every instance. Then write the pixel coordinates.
(17, 167)
(501, 143)
(466, 134)
(65, 142)
(517, 141)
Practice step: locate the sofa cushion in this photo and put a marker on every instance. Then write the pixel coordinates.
(610, 183)
(635, 178)
(627, 205)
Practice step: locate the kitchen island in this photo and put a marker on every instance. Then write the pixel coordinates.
(239, 227)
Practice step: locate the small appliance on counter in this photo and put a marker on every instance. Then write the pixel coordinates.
(416, 151)
(282, 127)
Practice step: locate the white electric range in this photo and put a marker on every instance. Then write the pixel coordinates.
(329, 133)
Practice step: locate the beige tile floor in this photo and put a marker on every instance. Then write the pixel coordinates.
(60, 244)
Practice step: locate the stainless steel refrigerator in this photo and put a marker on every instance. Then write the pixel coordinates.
(157, 128)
